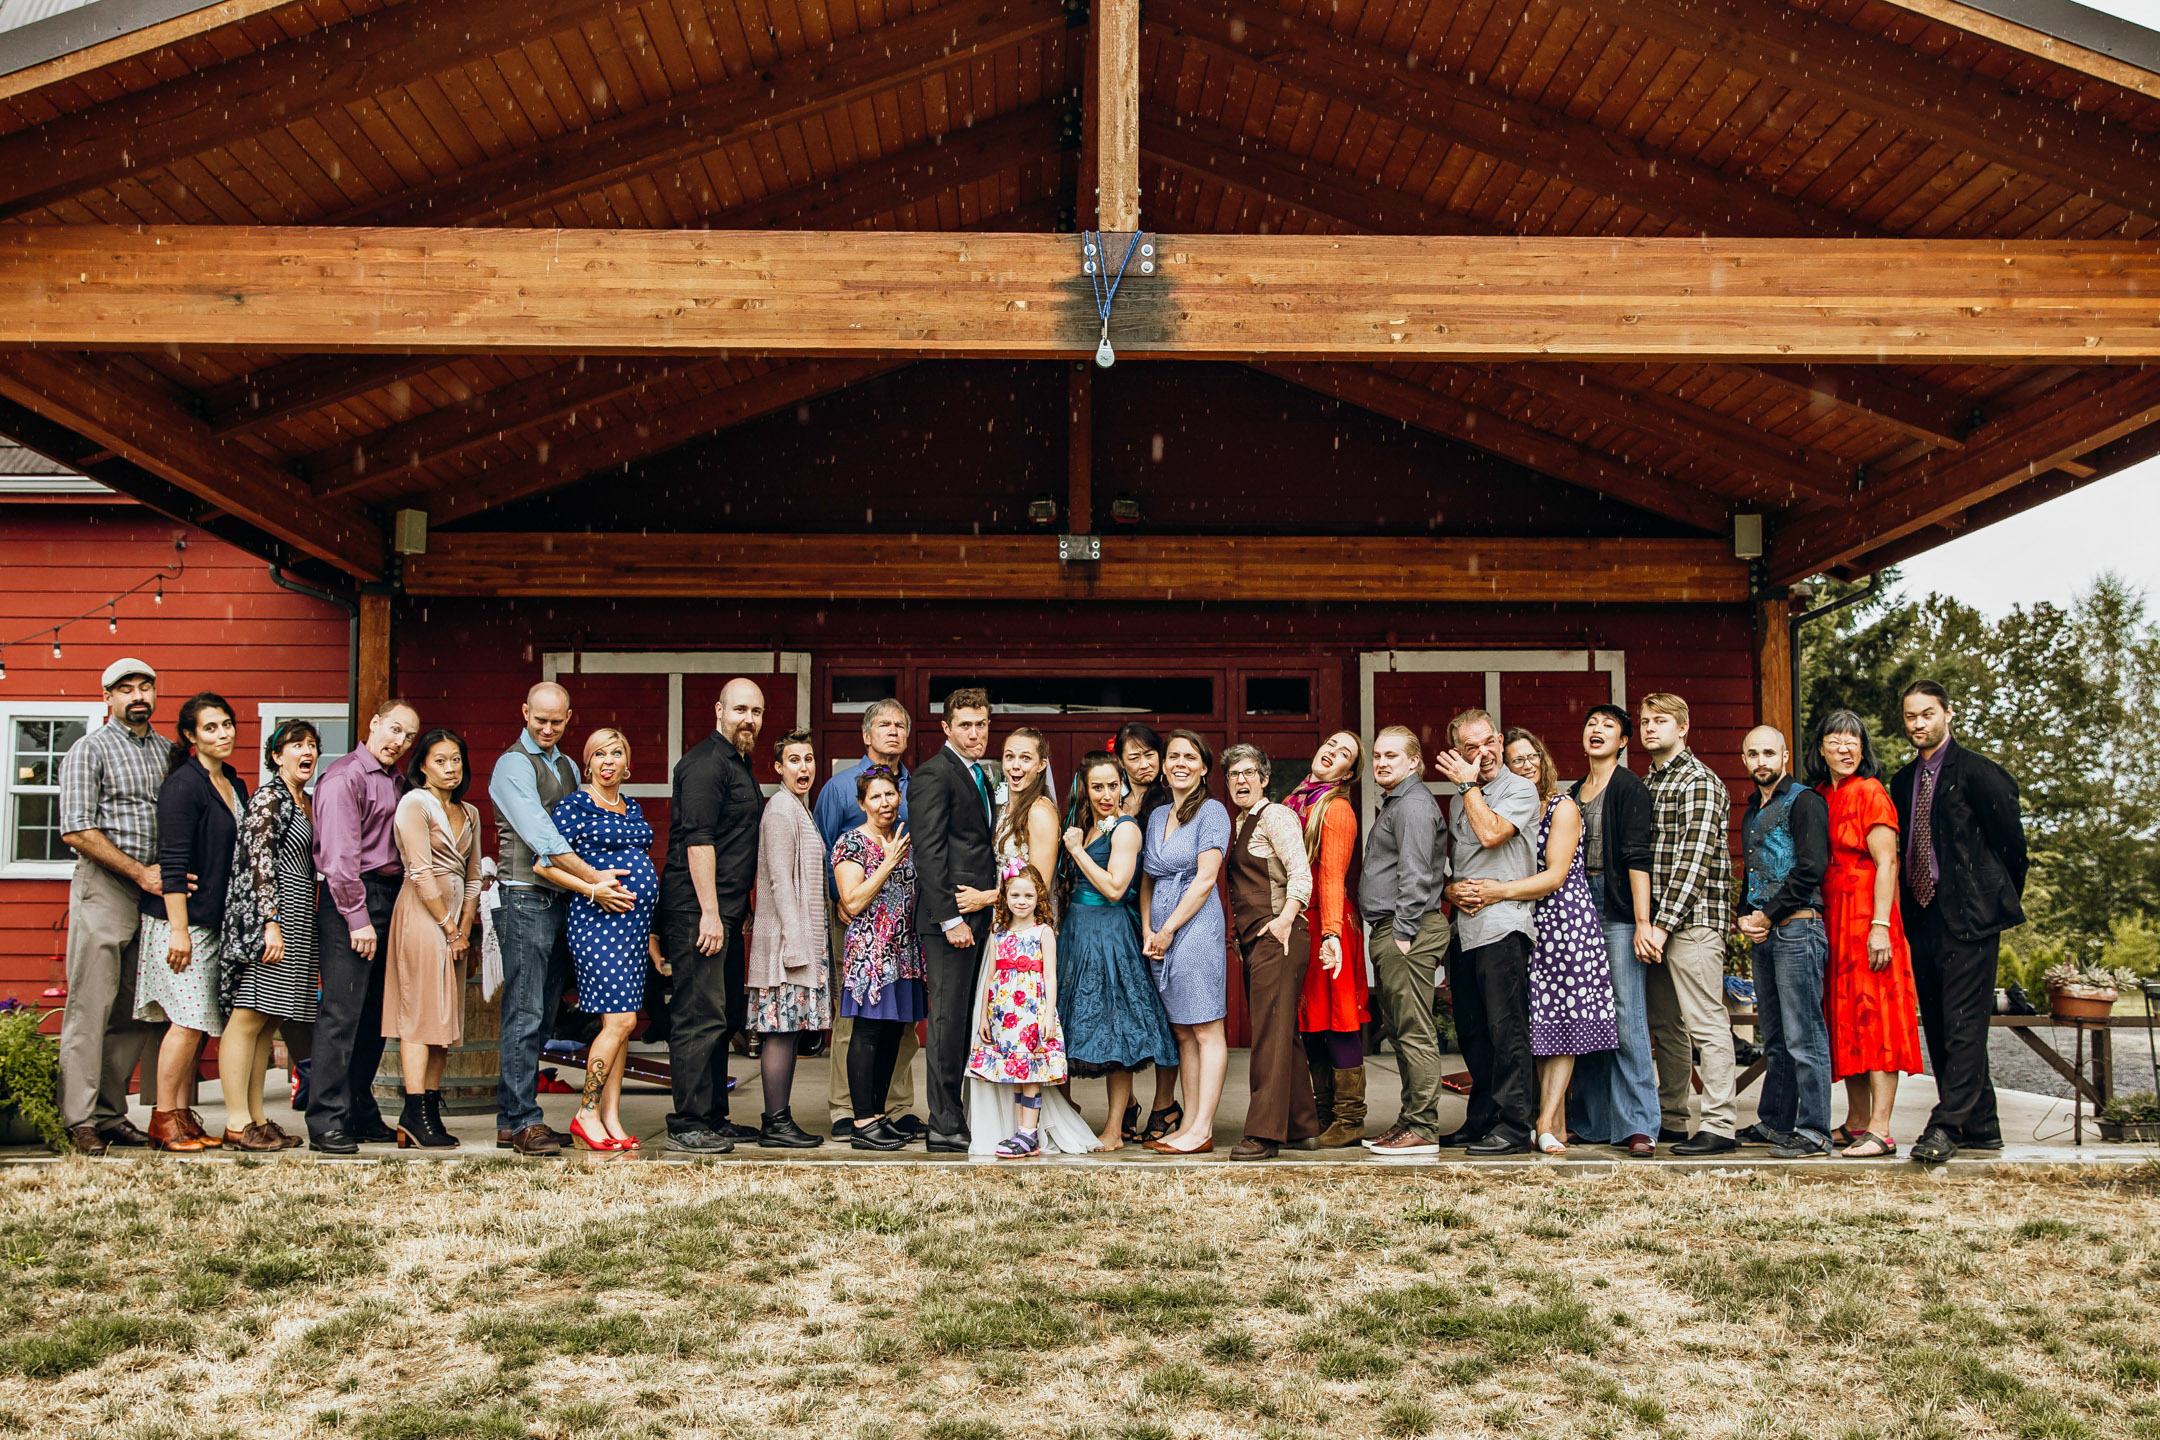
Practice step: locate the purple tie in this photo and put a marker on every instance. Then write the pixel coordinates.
(1923, 841)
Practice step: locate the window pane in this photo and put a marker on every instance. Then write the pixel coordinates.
(1278, 695)
(39, 744)
(37, 829)
(853, 694)
(1085, 694)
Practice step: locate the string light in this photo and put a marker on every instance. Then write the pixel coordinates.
(154, 583)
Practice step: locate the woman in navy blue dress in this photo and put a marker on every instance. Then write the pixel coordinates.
(607, 831)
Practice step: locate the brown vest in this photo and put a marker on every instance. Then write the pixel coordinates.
(1251, 895)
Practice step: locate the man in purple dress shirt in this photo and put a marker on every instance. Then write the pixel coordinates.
(356, 802)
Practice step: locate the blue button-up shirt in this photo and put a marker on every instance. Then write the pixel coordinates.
(838, 811)
(516, 794)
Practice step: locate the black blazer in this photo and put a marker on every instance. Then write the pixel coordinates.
(1628, 834)
(953, 844)
(1979, 844)
(195, 837)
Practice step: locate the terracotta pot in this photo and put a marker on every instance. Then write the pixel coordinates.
(2080, 1002)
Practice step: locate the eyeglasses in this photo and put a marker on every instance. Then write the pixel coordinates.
(1244, 772)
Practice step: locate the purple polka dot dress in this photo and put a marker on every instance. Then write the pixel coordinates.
(1571, 994)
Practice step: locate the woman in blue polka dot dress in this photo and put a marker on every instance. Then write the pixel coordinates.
(607, 831)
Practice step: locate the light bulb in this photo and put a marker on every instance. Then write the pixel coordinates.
(112, 623)
(159, 598)
(3, 667)
(55, 644)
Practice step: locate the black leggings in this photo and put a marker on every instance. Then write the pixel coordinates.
(870, 1057)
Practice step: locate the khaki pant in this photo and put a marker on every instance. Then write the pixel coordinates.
(839, 1104)
(1685, 998)
(1406, 1008)
(101, 1041)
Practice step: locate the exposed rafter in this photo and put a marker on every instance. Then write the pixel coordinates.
(1496, 434)
(1874, 396)
(295, 387)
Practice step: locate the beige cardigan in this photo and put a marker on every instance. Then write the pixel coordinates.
(789, 940)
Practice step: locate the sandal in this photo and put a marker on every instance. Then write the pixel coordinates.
(1842, 1137)
(1130, 1130)
(1024, 1145)
(1883, 1144)
(1161, 1123)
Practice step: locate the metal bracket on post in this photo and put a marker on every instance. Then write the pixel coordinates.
(1079, 547)
(1106, 258)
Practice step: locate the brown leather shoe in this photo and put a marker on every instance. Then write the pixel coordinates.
(169, 1130)
(285, 1141)
(124, 1132)
(252, 1137)
(196, 1128)
(1642, 1147)
(535, 1140)
(88, 1139)
(1251, 1149)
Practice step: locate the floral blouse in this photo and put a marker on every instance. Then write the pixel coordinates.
(881, 946)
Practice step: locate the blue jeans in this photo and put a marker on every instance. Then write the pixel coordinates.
(1615, 1093)
(1789, 968)
(532, 924)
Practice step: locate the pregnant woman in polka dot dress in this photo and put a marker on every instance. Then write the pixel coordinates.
(607, 831)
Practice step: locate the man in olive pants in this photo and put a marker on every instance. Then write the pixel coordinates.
(1405, 871)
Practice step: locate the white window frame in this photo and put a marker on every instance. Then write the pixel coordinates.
(11, 868)
(674, 664)
(272, 713)
(1493, 664)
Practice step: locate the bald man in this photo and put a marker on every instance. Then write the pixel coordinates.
(1785, 852)
(532, 923)
(704, 897)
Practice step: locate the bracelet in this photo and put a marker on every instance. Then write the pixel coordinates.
(1873, 923)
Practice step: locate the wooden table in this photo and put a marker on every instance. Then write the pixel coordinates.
(2097, 1087)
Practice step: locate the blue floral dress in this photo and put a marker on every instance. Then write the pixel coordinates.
(881, 975)
(1025, 1046)
(609, 950)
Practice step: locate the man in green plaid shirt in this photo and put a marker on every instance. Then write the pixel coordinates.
(1691, 906)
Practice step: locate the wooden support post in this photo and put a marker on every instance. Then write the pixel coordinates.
(1117, 114)
(373, 681)
(1079, 449)
(1774, 698)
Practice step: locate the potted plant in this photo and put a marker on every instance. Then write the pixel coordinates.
(29, 1081)
(2131, 1118)
(2085, 992)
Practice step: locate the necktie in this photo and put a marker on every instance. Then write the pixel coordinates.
(982, 787)
(1923, 840)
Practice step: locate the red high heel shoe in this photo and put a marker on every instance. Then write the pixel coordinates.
(586, 1140)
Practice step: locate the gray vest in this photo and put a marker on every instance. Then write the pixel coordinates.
(554, 779)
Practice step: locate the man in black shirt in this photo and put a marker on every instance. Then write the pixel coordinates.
(704, 897)
(1785, 853)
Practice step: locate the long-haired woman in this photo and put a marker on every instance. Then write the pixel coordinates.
(1336, 1003)
(269, 976)
(1183, 932)
(199, 810)
(786, 974)
(1027, 827)
(438, 838)
(1139, 752)
(1873, 1005)
(1107, 1002)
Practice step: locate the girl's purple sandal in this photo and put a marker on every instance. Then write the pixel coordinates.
(1024, 1145)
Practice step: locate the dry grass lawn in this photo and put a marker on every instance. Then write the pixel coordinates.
(498, 1299)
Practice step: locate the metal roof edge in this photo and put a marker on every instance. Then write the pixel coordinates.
(2083, 26)
(96, 23)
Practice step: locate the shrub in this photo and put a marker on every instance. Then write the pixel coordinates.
(30, 1074)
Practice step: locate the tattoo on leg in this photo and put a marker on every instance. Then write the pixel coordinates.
(595, 1081)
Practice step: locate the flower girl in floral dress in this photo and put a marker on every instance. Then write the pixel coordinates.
(1019, 1043)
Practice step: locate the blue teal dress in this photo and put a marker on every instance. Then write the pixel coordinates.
(1194, 977)
(1112, 1017)
(609, 950)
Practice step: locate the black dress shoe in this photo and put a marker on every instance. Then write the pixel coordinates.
(335, 1142)
(86, 1139)
(911, 1126)
(877, 1135)
(1934, 1147)
(780, 1132)
(843, 1127)
(1670, 1137)
(1493, 1145)
(376, 1134)
(938, 1144)
(1993, 1144)
(1706, 1142)
(126, 1132)
(729, 1130)
(1460, 1139)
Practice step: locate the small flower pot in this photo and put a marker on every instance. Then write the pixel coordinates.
(2139, 1133)
(2080, 1002)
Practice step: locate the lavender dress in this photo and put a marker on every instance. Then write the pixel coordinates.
(1194, 977)
(1571, 992)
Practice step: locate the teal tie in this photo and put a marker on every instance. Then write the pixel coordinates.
(982, 787)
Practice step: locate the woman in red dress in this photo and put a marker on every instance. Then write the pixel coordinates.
(1871, 1004)
(1335, 1005)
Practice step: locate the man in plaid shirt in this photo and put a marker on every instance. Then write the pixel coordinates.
(1691, 906)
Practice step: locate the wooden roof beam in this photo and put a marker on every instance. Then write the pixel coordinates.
(2083, 415)
(1496, 434)
(566, 460)
(267, 90)
(136, 422)
(1388, 570)
(277, 392)
(1393, 297)
(1875, 76)
(1315, 58)
(1876, 395)
(683, 127)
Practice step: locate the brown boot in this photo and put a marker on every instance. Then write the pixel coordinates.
(1348, 1087)
(169, 1130)
(1323, 1090)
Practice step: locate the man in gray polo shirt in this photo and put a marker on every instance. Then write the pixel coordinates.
(1405, 866)
(1489, 839)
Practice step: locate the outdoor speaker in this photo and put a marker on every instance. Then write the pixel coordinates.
(1747, 537)
(408, 532)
